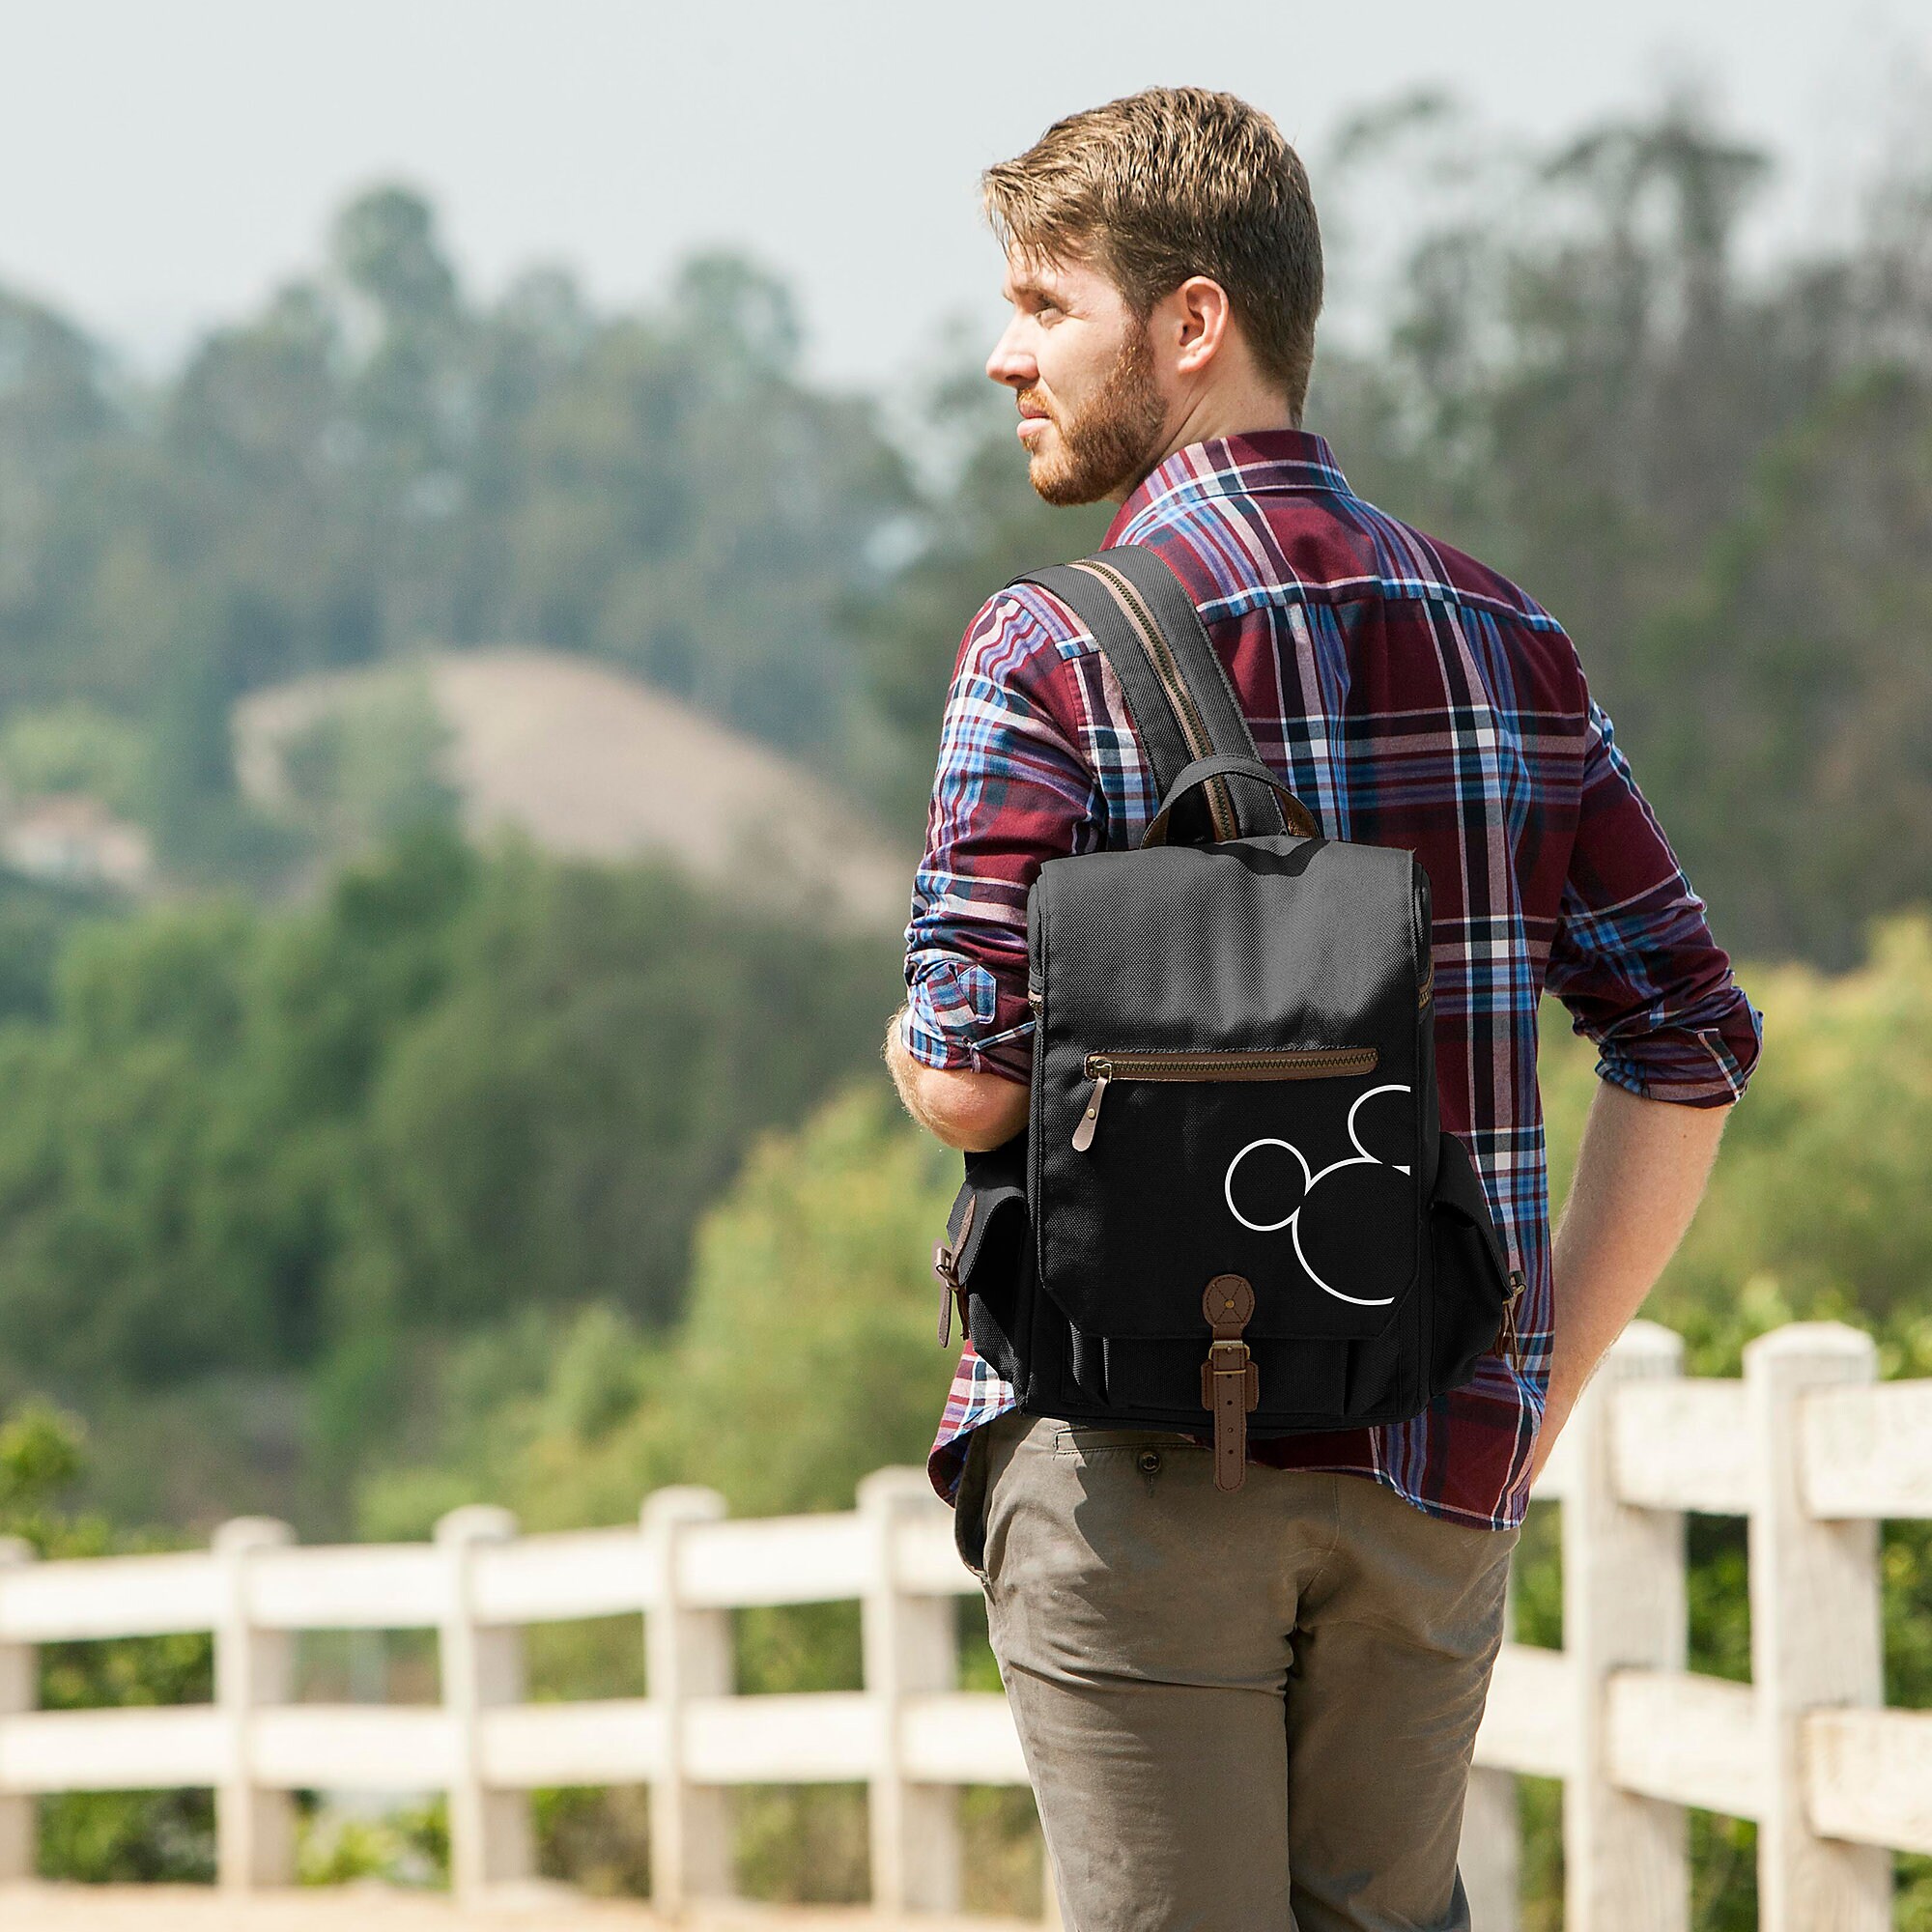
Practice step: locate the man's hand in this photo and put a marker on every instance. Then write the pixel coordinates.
(1640, 1174)
(969, 1111)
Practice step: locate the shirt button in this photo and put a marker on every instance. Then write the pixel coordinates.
(1150, 1462)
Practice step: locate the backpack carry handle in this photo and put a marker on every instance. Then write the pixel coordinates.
(1230, 764)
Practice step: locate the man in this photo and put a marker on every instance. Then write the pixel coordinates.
(1256, 1710)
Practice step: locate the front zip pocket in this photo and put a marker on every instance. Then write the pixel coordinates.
(1286, 1063)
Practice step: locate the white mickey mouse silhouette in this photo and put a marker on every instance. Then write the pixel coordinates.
(1292, 1221)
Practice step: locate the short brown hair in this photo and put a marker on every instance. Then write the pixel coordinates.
(1172, 183)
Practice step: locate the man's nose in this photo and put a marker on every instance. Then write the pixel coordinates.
(1011, 363)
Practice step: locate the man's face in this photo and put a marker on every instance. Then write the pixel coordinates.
(1091, 414)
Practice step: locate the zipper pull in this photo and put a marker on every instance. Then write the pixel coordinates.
(1083, 1134)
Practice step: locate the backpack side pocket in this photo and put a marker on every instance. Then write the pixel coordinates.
(1471, 1286)
(988, 1260)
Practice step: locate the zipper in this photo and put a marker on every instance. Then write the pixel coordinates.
(1285, 1062)
(1220, 804)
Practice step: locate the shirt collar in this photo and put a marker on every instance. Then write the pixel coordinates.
(1263, 460)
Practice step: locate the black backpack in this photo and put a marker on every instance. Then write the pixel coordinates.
(1234, 1207)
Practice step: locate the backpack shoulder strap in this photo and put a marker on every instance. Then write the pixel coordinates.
(1174, 612)
(1085, 592)
(1182, 701)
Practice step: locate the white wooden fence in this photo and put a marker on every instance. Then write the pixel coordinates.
(1805, 1446)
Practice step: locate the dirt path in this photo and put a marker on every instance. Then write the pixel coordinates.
(376, 1909)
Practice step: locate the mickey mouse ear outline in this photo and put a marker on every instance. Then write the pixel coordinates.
(1314, 1200)
(1228, 1185)
(1292, 1221)
(1356, 1139)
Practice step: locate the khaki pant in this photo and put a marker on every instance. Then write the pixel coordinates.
(1247, 1713)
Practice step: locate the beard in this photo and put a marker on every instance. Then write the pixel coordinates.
(1111, 442)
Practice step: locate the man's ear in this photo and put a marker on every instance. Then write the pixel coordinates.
(1201, 317)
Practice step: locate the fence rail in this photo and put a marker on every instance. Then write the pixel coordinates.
(1806, 1446)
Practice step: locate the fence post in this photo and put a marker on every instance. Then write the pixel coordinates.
(1816, 1636)
(19, 1691)
(1491, 1853)
(254, 1828)
(482, 1667)
(1625, 1862)
(1491, 1856)
(911, 1646)
(687, 1654)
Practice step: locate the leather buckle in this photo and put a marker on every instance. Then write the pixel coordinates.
(1229, 1377)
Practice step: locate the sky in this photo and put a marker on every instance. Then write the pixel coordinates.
(164, 167)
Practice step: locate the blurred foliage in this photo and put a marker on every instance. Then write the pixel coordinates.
(372, 766)
(71, 747)
(1719, 480)
(800, 1315)
(377, 460)
(124, 1837)
(1818, 1207)
(405, 1847)
(1719, 476)
(35, 922)
(330, 1143)
(983, 527)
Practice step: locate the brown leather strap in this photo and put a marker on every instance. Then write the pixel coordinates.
(944, 1264)
(1230, 1381)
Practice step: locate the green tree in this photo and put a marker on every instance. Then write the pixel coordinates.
(609, 1040)
(377, 461)
(804, 1357)
(982, 524)
(126, 1837)
(317, 1143)
(1796, 754)
(1714, 478)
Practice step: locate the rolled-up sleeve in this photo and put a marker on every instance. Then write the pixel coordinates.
(1634, 959)
(1011, 791)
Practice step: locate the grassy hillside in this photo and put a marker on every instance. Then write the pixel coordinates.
(585, 760)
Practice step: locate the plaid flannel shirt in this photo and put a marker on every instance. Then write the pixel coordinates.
(1410, 696)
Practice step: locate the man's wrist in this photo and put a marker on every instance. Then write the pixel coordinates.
(971, 1111)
